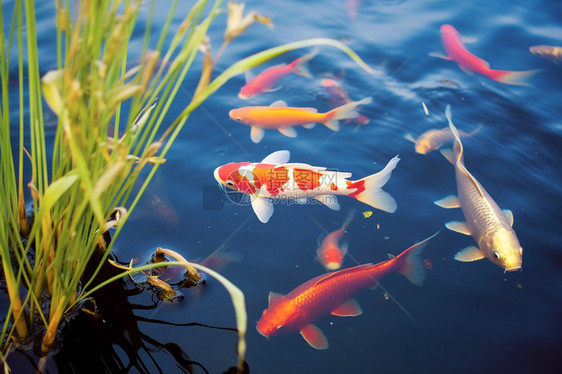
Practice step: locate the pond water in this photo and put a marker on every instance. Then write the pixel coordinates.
(467, 317)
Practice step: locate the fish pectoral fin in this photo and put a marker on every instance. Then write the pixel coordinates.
(349, 308)
(278, 157)
(460, 227)
(410, 138)
(439, 55)
(256, 134)
(272, 297)
(263, 208)
(448, 202)
(314, 337)
(309, 125)
(331, 201)
(288, 131)
(509, 216)
(467, 71)
(469, 254)
(448, 154)
(278, 104)
(274, 89)
(248, 75)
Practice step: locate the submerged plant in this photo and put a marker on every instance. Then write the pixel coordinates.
(111, 126)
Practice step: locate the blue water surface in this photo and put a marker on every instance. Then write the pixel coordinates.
(467, 317)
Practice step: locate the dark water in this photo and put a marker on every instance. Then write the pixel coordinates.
(467, 317)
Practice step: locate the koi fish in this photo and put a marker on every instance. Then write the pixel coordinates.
(339, 97)
(264, 81)
(283, 118)
(549, 52)
(274, 179)
(488, 225)
(331, 293)
(330, 253)
(433, 139)
(469, 63)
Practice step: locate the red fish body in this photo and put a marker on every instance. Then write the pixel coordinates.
(270, 76)
(330, 253)
(457, 52)
(283, 118)
(275, 180)
(330, 293)
(339, 97)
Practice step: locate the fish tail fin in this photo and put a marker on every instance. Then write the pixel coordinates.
(346, 111)
(518, 78)
(369, 189)
(410, 263)
(348, 219)
(301, 66)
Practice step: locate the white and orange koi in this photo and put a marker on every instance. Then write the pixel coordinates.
(274, 179)
(265, 81)
(330, 252)
(283, 118)
(485, 221)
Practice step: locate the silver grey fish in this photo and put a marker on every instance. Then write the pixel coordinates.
(434, 139)
(485, 221)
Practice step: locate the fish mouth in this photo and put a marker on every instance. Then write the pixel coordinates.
(513, 268)
(216, 175)
(261, 333)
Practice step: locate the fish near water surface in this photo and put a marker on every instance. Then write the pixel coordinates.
(274, 180)
(283, 118)
(331, 293)
(550, 52)
(434, 139)
(468, 62)
(339, 97)
(485, 221)
(265, 81)
(330, 252)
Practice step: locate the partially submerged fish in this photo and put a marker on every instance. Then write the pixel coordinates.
(339, 97)
(275, 180)
(331, 293)
(434, 139)
(330, 252)
(469, 63)
(283, 118)
(485, 221)
(265, 81)
(550, 52)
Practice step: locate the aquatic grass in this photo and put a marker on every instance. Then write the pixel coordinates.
(111, 127)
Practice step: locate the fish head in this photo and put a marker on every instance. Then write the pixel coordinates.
(242, 115)
(331, 257)
(278, 319)
(237, 176)
(505, 250)
(423, 146)
(448, 29)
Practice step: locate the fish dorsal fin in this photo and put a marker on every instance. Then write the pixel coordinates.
(448, 202)
(390, 256)
(272, 297)
(329, 276)
(288, 131)
(349, 308)
(469, 254)
(256, 134)
(509, 216)
(263, 208)
(279, 157)
(248, 75)
(460, 227)
(278, 104)
(314, 337)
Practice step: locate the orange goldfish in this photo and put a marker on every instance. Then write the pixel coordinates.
(469, 63)
(331, 293)
(550, 52)
(270, 76)
(330, 253)
(275, 180)
(283, 118)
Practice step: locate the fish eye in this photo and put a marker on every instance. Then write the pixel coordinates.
(280, 327)
(496, 255)
(239, 119)
(229, 183)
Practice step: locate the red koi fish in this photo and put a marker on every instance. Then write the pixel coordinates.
(275, 180)
(283, 118)
(469, 63)
(331, 293)
(270, 76)
(339, 97)
(330, 253)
